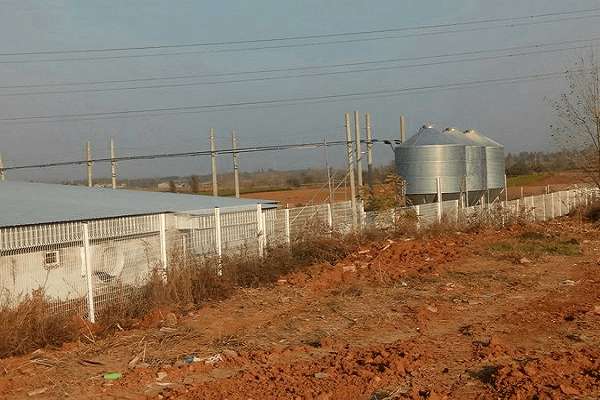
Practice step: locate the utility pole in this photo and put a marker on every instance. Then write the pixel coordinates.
(213, 155)
(88, 150)
(369, 152)
(351, 173)
(236, 172)
(402, 134)
(358, 150)
(2, 177)
(113, 164)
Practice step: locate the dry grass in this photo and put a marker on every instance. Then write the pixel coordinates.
(31, 325)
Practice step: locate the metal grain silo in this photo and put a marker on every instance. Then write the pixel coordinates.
(495, 162)
(428, 155)
(475, 185)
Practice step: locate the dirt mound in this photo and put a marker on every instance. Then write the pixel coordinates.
(341, 373)
(558, 375)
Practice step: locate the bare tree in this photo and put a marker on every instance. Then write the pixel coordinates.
(578, 115)
(194, 181)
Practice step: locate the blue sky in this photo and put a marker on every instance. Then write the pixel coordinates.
(72, 78)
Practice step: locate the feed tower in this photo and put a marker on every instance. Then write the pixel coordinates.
(468, 166)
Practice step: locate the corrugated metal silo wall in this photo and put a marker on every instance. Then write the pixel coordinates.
(476, 167)
(476, 160)
(495, 165)
(421, 165)
(495, 159)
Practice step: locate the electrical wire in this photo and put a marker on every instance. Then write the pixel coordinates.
(186, 154)
(242, 150)
(262, 79)
(376, 62)
(277, 102)
(220, 74)
(124, 49)
(307, 36)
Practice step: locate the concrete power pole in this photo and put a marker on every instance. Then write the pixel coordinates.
(213, 156)
(402, 134)
(369, 152)
(88, 151)
(113, 164)
(358, 150)
(236, 171)
(2, 177)
(351, 173)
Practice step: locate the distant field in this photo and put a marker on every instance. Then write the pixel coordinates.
(231, 192)
(524, 180)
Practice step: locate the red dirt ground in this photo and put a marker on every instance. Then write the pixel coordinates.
(316, 195)
(301, 196)
(555, 182)
(448, 318)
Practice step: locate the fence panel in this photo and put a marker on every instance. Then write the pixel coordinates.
(239, 229)
(450, 210)
(121, 266)
(342, 215)
(537, 207)
(49, 259)
(43, 260)
(198, 232)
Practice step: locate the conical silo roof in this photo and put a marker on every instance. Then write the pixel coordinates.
(430, 136)
(479, 138)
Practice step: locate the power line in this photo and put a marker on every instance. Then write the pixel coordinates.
(187, 154)
(254, 149)
(276, 102)
(317, 67)
(125, 49)
(268, 78)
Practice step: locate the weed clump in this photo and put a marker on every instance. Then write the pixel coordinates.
(32, 325)
(593, 212)
(195, 280)
(534, 245)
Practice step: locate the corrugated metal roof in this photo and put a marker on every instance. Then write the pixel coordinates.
(26, 203)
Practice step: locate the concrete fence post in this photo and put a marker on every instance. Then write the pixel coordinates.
(259, 230)
(88, 272)
(286, 213)
(438, 182)
(544, 209)
(263, 228)
(362, 214)
(163, 245)
(218, 238)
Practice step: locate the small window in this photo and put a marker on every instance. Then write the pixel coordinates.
(51, 259)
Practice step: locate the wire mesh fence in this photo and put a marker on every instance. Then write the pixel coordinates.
(83, 267)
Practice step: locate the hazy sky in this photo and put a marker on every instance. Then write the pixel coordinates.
(155, 76)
